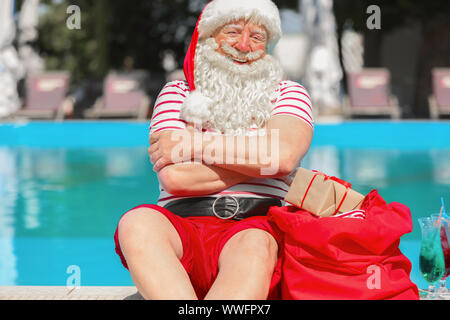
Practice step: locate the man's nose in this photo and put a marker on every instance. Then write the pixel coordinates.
(244, 43)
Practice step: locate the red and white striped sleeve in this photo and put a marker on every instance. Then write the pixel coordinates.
(293, 100)
(167, 109)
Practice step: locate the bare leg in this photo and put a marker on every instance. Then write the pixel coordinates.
(246, 266)
(153, 249)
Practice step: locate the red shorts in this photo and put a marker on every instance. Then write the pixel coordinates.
(203, 239)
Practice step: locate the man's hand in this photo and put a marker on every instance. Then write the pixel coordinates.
(171, 153)
(171, 147)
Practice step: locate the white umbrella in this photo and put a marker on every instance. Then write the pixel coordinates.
(11, 69)
(352, 51)
(28, 23)
(7, 27)
(292, 49)
(323, 74)
(323, 79)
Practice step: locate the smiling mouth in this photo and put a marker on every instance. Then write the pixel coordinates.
(240, 61)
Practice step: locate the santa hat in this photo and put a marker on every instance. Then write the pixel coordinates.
(217, 13)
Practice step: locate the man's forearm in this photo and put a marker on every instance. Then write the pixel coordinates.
(254, 156)
(196, 179)
(274, 154)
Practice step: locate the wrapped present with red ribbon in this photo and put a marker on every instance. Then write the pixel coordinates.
(322, 195)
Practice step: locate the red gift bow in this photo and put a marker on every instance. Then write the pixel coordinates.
(346, 184)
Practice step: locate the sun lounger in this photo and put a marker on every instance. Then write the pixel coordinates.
(46, 96)
(369, 93)
(122, 97)
(439, 101)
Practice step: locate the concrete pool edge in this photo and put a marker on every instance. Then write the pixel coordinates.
(65, 293)
(82, 293)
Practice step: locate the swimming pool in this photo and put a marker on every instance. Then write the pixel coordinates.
(63, 187)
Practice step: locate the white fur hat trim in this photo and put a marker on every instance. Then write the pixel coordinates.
(221, 12)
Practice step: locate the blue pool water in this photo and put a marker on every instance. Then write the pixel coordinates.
(63, 188)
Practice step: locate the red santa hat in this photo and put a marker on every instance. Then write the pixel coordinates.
(217, 13)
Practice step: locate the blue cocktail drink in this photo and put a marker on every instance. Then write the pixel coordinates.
(445, 243)
(431, 260)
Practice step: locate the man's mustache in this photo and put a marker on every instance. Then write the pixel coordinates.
(234, 53)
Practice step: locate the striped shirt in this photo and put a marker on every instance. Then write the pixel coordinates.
(292, 99)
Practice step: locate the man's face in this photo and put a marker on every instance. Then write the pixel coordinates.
(243, 41)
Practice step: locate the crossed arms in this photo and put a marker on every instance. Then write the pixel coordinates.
(227, 161)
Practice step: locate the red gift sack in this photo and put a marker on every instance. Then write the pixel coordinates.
(346, 258)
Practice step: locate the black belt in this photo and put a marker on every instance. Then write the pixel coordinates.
(224, 207)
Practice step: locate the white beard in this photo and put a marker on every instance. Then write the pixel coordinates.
(241, 95)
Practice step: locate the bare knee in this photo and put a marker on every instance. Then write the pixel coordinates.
(138, 221)
(147, 226)
(257, 245)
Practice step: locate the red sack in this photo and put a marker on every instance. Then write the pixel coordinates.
(346, 258)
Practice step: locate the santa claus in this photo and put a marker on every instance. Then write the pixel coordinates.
(208, 236)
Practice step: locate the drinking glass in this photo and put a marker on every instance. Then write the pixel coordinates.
(431, 259)
(445, 243)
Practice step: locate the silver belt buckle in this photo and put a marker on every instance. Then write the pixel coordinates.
(225, 218)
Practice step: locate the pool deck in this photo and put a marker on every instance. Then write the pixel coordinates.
(64, 293)
(80, 293)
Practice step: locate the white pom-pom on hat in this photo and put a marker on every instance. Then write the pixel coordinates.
(196, 108)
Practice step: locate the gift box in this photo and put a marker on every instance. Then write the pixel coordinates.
(322, 195)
